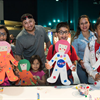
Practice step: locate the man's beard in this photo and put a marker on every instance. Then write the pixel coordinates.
(31, 30)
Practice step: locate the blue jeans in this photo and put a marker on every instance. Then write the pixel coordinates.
(82, 74)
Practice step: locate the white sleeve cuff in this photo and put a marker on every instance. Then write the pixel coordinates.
(71, 67)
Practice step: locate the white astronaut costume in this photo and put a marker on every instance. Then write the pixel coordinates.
(60, 67)
(90, 62)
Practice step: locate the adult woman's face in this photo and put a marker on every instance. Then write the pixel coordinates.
(3, 35)
(84, 24)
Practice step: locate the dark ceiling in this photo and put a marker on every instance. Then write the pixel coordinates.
(14, 9)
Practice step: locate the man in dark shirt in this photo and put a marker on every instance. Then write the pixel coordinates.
(30, 41)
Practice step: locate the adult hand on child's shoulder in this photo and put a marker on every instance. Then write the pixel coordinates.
(47, 65)
(97, 77)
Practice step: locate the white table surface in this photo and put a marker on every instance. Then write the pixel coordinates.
(47, 93)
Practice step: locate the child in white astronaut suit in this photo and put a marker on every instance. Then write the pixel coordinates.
(92, 56)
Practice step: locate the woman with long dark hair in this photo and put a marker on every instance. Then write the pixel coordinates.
(83, 36)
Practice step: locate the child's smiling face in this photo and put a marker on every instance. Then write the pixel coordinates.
(3, 35)
(63, 33)
(35, 66)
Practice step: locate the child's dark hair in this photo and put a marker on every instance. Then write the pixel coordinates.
(97, 23)
(62, 24)
(34, 57)
(3, 27)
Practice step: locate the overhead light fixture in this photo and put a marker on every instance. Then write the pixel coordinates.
(49, 23)
(54, 20)
(57, 0)
(71, 21)
(58, 20)
(94, 21)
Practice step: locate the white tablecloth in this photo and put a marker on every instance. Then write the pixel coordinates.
(47, 93)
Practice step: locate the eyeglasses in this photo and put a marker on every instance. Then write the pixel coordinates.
(62, 32)
(24, 18)
(3, 34)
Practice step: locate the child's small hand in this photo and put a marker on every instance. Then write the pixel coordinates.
(47, 65)
(74, 68)
(97, 77)
(35, 77)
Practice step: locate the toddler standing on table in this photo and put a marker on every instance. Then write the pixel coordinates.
(62, 31)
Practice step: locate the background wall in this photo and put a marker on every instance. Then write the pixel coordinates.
(1, 10)
(14, 9)
(92, 10)
(66, 10)
(49, 10)
(44, 11)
